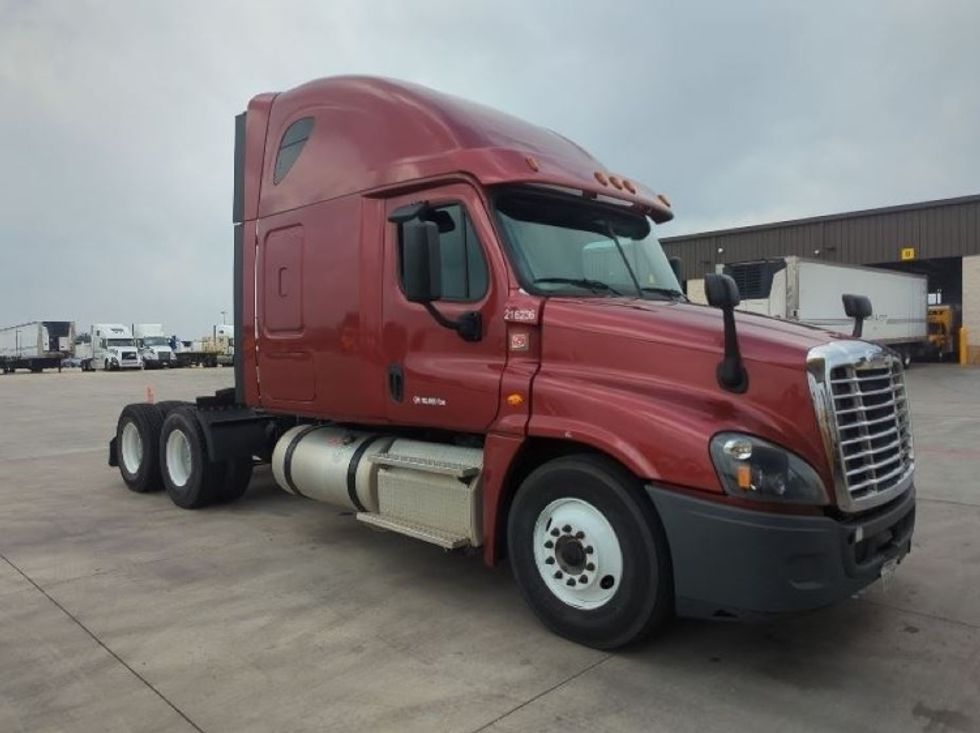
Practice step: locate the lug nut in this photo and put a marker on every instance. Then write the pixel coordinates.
(590, 566)
(549, 544)
(567, 528)
(589, 550)
(570, 581)
(549, 561)
(558, 575)
(555, 532)
(580, 535)
(583, 579)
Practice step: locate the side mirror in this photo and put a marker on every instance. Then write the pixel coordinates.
(721, 291)
(857, 307)
(677, 265)
(421, 261)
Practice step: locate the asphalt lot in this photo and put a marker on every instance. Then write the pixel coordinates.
(122, 612)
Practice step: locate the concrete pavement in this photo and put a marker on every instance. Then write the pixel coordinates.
(122, 612)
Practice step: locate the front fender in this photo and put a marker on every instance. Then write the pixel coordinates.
(660, 429)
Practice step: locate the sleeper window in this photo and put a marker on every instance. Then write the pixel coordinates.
(292, 143)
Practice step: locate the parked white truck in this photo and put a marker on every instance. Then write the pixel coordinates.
(36, 345)
(809, 291)
(108, 346)
(154, 345)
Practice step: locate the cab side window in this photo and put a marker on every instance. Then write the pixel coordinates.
(464, 268)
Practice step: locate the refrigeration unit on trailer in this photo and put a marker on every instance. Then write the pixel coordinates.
(154, 345)
(36, 345)
(462, 328)
(108, 347)
(810, 292)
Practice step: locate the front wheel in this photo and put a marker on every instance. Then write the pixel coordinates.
(589, 553)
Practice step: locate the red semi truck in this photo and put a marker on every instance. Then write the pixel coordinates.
(462, 327)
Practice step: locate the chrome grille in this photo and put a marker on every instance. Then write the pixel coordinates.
(862, 405)
(873, 425)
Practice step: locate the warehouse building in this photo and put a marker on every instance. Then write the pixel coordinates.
(940, 239)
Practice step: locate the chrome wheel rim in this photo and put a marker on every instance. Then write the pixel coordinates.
(577, 553)
(132, 448)
(179, 458)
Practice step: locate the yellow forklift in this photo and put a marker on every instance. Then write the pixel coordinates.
(943, 330)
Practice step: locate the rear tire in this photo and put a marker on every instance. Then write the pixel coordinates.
(168, 406)
(589, 553)
(138, 446)
(191, 480)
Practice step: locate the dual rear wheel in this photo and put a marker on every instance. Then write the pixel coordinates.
(162, 446)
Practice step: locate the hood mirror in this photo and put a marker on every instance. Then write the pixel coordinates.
(857, 307)
(722, 292)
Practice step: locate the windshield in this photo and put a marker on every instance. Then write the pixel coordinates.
(573, 247)
(120, 342)
(155, 341)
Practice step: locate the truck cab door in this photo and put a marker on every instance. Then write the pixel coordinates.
(433, 377)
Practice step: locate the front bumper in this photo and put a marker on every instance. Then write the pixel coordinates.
(732, 562)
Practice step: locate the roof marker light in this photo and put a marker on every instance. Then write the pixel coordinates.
(664, 200)
(616, 182)
(628, 185)
(532, 163)
(601, 178)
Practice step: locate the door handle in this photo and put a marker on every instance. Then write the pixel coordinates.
(396, 382)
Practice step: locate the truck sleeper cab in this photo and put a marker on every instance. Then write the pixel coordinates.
(462, 328)
(108, 347)
(154, 346)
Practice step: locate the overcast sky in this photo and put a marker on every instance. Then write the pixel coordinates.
(116, 118)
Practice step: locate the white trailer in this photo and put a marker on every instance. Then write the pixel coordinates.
(809, 291)
(108, 346)
(36, 345)
(154, 345)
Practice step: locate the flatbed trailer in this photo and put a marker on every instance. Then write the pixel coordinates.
(195, 358)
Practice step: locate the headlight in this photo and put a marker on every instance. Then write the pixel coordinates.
(753, 468)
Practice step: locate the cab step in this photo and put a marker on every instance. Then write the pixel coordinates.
(445, 540)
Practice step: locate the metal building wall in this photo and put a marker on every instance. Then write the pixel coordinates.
(945, 228)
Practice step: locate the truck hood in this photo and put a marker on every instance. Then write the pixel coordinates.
(638, 379)
(697, 327)
(154, 352)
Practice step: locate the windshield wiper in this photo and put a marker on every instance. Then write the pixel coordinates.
(580, 282)
(619, 248)
(669, 292)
